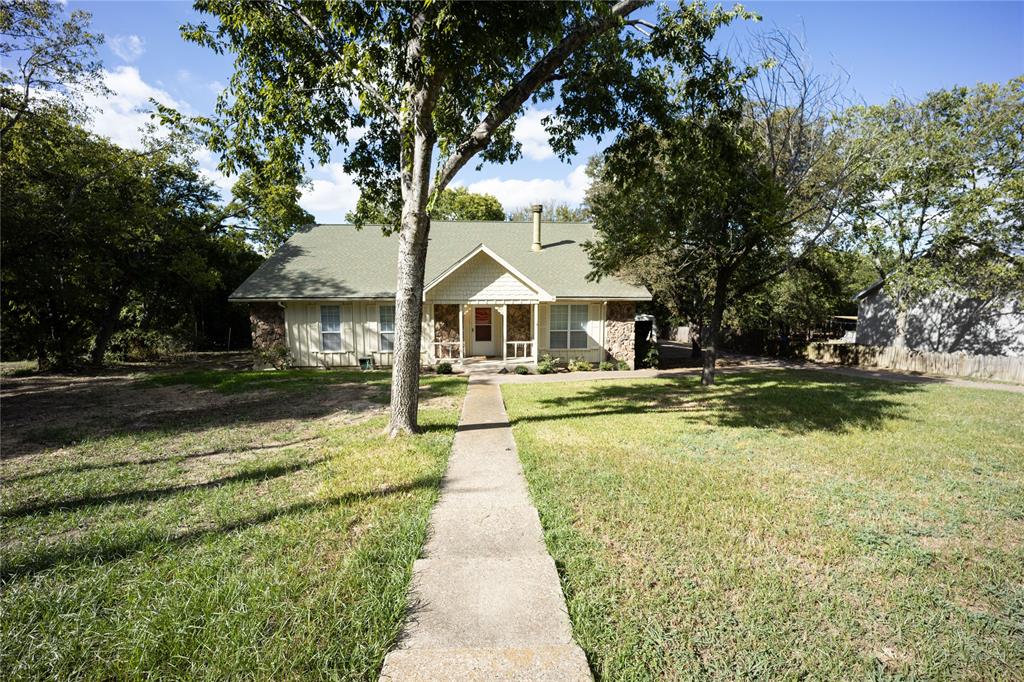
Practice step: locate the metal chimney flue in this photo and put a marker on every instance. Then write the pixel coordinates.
(537, 209)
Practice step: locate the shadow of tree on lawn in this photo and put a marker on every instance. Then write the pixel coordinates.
(789, 401)
(67, 553)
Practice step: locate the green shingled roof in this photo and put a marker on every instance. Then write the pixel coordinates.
(339, 261)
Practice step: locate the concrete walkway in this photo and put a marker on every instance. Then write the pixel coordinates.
(485, 601)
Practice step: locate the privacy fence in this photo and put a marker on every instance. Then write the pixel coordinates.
(999, 368)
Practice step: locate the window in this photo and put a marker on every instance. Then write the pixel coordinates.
(568, 326)
(387, 328)
(330, 328)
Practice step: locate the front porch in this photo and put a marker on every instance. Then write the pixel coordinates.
(505, 333)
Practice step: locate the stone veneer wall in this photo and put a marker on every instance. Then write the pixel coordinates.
(446, 328)
(269, 346)
(619, 332)
(520, 323)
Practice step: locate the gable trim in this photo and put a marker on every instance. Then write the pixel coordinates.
(542, 295)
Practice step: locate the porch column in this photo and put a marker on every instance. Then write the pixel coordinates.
(428, 316)
(535, 346)
(462, 341)
(504, 333)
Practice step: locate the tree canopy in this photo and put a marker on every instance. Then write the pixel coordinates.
(557, 211)
(941, 201)
(98, 239)
(458, 203)
(44, 55)
(737, 188)
(392, 84)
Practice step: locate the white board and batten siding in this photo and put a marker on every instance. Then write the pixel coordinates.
(360, 327)
(359, 334)
(594, 353)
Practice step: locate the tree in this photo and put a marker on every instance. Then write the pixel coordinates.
(97, 237)
(40, 50)
(454, 203)
(737, 189)
(803, 299)
(458, 203)
(397, 83)
(941, 202)
(560, 212)
(266, 208)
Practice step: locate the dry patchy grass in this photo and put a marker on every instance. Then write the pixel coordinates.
(210, 524)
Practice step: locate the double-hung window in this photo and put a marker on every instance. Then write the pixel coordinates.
(330, 328)
(387, 328)
(568, 327)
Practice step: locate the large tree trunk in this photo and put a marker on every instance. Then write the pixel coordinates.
(107, 327)
(709, 335)
(405, 378)
(412, 260)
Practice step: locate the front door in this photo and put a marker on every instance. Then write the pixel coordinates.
(483, 331)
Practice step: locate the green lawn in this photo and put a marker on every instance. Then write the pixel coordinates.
(783, 525)
(215, 525)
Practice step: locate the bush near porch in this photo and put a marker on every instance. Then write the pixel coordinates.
(782, 525)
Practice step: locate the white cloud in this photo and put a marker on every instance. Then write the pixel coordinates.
(129, 48)
(121, 114)
(517, 193)
(216, 87)
(333, 193)
(531, 134)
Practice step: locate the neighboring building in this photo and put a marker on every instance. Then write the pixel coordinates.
(502, 290)
(942, 323)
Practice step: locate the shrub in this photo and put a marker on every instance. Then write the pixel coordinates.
(276, 356)
(521, 369)
(652, 359)
(606, 366)
(580, 365)
(623, 366)
(142, 345)
(444, 368)
(546, 365)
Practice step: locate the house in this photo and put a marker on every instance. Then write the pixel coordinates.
(510, 291)
(941, 323)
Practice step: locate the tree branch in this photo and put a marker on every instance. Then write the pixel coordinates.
(322, 37)
(526, 86)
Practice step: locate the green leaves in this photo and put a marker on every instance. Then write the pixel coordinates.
(941, 201)
(93, 231)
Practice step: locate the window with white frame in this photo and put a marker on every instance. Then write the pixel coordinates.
(330, 328)
(387, 328)
(568, 327)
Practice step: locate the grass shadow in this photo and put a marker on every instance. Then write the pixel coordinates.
(154, 494)
(789, 401)
(72, 553)
(100, 466)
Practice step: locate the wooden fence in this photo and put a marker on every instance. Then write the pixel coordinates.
(997, 367)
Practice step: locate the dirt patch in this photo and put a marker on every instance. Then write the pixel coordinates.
(47, 413)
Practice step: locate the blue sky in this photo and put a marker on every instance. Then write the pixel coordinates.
(886, 48)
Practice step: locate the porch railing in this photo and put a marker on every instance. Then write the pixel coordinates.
(519, 349)
(445, 350)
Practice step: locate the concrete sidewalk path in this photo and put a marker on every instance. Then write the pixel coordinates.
(485, 601)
